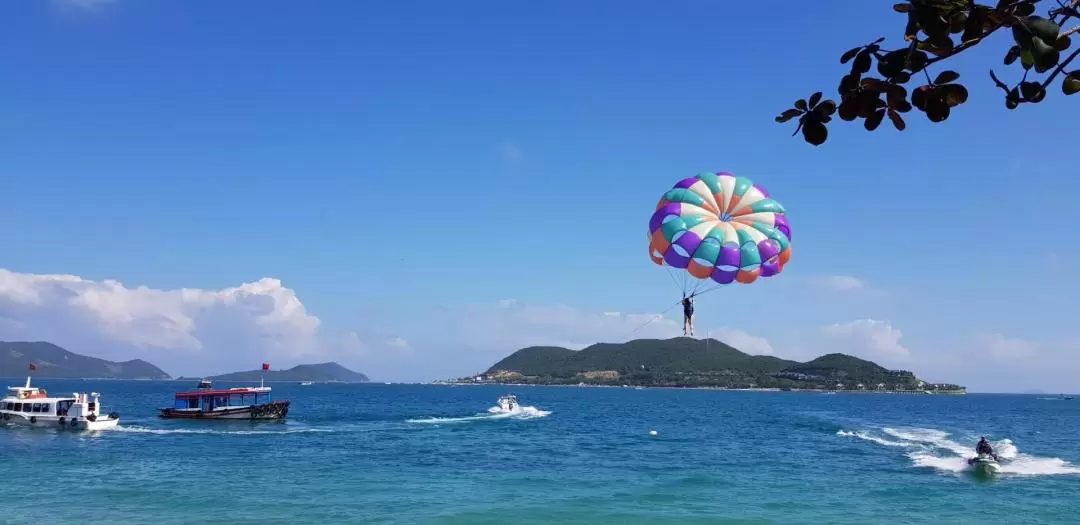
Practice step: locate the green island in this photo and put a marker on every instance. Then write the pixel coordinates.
(696, 363)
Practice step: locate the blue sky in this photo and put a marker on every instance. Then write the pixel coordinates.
(440, 183)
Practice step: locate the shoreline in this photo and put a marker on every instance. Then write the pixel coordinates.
(719, 388)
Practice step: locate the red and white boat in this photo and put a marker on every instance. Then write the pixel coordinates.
(245, 403)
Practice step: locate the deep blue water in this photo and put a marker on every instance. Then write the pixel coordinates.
(432, 454)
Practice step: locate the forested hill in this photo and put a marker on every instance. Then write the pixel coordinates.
(684, 361)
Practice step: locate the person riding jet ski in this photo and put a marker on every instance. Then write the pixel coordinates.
(984, 448)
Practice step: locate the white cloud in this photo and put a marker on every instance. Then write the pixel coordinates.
(841, 283)
(185, 331)
(866, 338)
(743, 341)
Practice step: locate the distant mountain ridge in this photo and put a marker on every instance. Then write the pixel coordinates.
(684, 361)
(316, 372)
(53, 361)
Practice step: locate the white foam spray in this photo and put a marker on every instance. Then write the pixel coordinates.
(932, 448)
(494, 414)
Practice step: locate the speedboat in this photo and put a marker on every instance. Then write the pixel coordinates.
(306, 383)
(985, 464)
(508, 403)
(33, 407)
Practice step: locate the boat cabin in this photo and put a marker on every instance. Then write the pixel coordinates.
(208, 399)
(35, 402)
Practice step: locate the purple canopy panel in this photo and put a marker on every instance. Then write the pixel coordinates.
(730, 255)
(687, 182)
(770, 268)
(768, 249)
(689, 241)
(781, 224)
(724, 276)
(762, 190)
(671, 208)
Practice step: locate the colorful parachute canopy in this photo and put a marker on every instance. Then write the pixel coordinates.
(719, 226)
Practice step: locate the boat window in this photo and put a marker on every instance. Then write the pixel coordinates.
(46, 407)
(36, 407)
(27, 406)
(17, 407)
(9, 405)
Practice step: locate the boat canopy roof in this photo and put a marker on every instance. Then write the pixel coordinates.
(239, 391)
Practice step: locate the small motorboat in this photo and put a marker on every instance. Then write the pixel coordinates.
(306, 383)
(508, 403)
(985, 464)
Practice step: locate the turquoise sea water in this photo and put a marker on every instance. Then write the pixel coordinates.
(433, 454)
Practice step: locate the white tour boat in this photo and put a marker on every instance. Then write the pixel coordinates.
(32, 406)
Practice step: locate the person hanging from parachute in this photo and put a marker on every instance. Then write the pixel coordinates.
(719, 227)
(688, 315)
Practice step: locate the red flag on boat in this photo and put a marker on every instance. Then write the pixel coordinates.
(266, 366)
(32, 367)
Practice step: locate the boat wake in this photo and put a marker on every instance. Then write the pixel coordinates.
(166, 431)
(494, 414)
(931, 448)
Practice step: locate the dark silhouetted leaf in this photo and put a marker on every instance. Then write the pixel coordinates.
(1024, 9)
(801, 104)
(874, 120)
(901, 8)
(1012, 55)
(918, 61)
(874, 84)
(814, 99)
(1071, 84)
(849, 83)
(895, 95)
(973, 28)
(815, 132)
(903, 106)
(1032, 91)
(1062, 43)
(825, 108)
(936, 110)
(902, 77)
(848, 110)
(955, 94)
(1027, 61)
(947, 76)
(1012, 100)
(957, 22)
(849, 54)
(878, 41)
(897, 120)
(919, 97)
(788, 115)
(862, 62)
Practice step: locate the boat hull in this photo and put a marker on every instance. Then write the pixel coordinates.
(984, 465)
(50, 421)
(266, 412)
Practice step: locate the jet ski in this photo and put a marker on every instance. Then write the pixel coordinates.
(985, 464)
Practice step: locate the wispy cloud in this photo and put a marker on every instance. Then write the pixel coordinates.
(841, 283)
